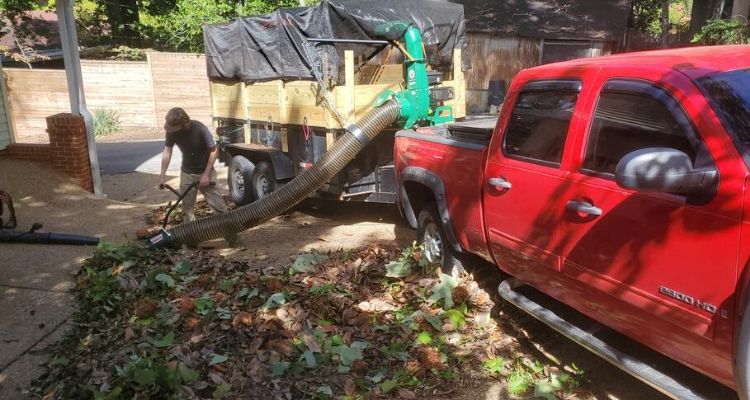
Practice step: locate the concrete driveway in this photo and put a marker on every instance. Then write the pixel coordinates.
(35, 280)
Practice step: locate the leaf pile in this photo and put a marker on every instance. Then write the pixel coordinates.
(155, 217)
(191, 324)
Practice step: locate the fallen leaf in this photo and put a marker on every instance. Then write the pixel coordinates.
(311, 343)
(222, 391)
(182, 267)
(444, 291)
(145, 308)
(244, 318)
(166, 341)
(406, 394)
(195, 339)
(307, 262)
(217, 358)
(388, 385)
(129, 333)
(282, 346)
(166, 279)
(398, 269)
(274, 300)
(188, 374)
(375, 305)
(350, 387)
(278, 368)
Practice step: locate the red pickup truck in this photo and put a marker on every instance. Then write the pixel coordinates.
(615, 185)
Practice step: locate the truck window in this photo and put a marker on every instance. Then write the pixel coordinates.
(628, 120)
(729, 94)
(539, 122)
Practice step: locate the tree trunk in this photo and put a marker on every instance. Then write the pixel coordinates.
(740, 9)
(665, 24)
(699, 15)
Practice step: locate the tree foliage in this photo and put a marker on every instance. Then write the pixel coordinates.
(646, 16)
(723, 31)
(162, 24)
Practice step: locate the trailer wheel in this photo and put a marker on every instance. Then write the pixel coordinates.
(437, 249)
(240, 176)
(263, 180)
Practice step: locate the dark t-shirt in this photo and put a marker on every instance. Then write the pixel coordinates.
(195, 144)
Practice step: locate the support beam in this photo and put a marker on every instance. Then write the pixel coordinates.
(76, 94)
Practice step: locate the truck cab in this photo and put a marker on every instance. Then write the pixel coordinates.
(617, 186)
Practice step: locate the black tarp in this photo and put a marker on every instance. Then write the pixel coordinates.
(274, 46)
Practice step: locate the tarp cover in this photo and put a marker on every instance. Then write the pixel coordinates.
(274, 46)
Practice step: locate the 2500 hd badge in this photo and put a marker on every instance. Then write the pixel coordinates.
(690, 300)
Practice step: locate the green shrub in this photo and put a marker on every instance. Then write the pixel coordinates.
(723, 31)
(105, 122)
(125, 53)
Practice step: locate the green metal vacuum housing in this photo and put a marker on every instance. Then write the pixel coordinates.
(415, 99)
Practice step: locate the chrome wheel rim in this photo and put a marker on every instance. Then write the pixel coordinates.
(433, 243)
(264, 186)
(239, 181)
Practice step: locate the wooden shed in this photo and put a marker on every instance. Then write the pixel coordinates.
(6, 128)
(505, 36)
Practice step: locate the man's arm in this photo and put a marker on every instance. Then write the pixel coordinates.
(166, 157)
(213, 153)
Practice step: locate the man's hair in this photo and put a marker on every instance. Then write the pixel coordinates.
(176, 116)
(175, 119)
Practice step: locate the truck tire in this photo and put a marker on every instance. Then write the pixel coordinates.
(263, 180)
(240, 175)
(437, 249)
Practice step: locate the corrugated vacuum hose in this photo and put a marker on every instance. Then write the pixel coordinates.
(287, 196)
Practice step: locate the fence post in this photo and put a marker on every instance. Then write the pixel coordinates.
(153, 89)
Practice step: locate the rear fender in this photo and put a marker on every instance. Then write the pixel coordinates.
(435, 185)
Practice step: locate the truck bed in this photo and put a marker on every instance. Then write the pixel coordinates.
(456, 153)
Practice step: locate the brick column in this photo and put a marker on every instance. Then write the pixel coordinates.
(69, 148)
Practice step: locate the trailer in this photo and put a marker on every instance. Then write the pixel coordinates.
(270, 130)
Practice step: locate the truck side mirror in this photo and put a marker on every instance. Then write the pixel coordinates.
(663, 169)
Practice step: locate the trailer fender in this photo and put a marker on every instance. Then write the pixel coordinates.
(283, 166)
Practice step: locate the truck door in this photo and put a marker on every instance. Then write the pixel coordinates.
(661, 267)
(526, 174)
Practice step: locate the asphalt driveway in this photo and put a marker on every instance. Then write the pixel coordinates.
(134, 156)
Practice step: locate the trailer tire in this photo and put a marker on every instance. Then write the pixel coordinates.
(240, 175)
(263, 180)
(437, 249)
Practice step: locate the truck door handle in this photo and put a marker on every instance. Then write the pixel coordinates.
(499, 183)
(583, 207)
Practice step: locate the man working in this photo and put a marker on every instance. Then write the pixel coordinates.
(199, 153)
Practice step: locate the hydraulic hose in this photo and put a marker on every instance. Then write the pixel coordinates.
(287, 196)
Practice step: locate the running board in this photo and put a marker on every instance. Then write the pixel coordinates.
(625, 362)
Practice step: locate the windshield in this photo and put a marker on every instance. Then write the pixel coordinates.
(729, 94)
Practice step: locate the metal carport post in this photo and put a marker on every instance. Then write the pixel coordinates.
(72, 60)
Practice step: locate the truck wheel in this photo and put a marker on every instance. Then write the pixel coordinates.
(263, 180)
(240, 176)
(437, 249)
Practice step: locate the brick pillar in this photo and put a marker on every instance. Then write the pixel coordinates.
(69, 148)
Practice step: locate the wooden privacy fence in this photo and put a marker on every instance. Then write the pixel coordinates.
(140, 92)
